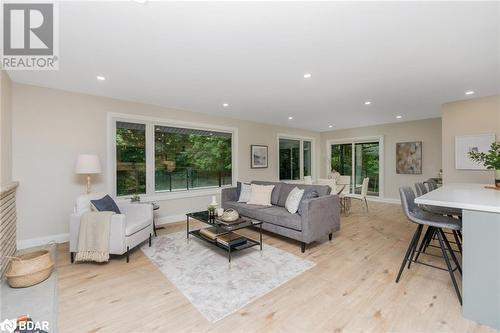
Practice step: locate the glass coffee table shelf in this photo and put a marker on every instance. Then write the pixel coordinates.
(225, 229)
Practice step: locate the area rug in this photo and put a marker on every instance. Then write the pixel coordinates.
(216, 288)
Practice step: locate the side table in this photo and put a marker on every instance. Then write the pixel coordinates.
(155, 207)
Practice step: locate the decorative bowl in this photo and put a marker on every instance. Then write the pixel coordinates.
(230, 215)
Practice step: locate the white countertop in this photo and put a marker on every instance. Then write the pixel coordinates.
(464, 196)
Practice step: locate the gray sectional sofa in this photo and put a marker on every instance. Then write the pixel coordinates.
(320, 216)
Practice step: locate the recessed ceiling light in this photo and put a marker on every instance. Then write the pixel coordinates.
(225, 105)
(100, 78)
(290, 118)
(399, 117)
(330, 126)
(368, 103)
(469, 92)
(307, 75)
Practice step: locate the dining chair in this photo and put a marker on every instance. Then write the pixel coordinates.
(346, 182)
(330, 182)
(362, 196)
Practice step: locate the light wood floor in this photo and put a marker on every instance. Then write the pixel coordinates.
(351, 289)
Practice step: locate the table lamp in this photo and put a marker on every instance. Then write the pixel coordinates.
(87, 164)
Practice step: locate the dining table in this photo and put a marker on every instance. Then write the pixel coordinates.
(480, 205)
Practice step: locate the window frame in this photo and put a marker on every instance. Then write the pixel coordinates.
(301, 155)
(353, 141)
(150, 123)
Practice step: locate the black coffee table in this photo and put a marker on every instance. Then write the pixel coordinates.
(224, 229)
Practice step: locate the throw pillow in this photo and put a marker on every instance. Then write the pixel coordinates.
(308, 194)
(246, 192)
(106, 204)
(293, 200)
(261, 195)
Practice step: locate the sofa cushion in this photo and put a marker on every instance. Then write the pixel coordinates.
(106, 204)
(245, 193)
(243, 208)
(321, 189)
(285, 190)
(261, 195)
(276, 191)
(293, 200)
(279, 216)
(238, 189)
(308, 194)
(135, 225)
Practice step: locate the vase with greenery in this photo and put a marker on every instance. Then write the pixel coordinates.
(490, 159)
(135, 198)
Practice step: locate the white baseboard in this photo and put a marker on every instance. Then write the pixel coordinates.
(32, 242)
(384, 200)
(170, 219)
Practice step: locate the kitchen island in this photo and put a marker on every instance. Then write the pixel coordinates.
(481, 246)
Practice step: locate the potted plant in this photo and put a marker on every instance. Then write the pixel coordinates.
(490, 159)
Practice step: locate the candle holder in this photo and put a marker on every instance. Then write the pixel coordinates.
(211, 212)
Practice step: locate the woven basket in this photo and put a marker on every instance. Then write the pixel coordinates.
(29, 269)
(230, 215)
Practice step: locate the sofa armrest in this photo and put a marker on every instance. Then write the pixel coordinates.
(117, 243)
(228, 194)
(136, 210)
(320, 217)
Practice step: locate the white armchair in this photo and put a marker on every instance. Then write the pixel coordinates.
(130, 228)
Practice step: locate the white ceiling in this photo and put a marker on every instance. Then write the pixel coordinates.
(407, 58)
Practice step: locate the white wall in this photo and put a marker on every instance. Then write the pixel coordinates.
(428, 131)
(51, 127)
(473, 116)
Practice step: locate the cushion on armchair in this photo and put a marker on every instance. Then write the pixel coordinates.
(106, 204)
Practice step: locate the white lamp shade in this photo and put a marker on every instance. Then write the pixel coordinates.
(87, 164)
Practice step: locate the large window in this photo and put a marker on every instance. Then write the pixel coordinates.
(187, 158)
(358, 160)
(295, 158)
(152, 157)
(130, 158)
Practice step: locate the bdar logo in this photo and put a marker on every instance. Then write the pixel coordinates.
(8, 325)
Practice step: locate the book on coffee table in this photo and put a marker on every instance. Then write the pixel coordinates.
(211, 232)
(231, 240)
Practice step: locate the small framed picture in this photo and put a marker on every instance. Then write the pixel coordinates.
(258, 156)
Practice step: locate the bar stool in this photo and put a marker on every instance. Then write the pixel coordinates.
(437, 222)
(421, 190)
(433, 185)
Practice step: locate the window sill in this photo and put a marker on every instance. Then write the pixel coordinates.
(162, 196)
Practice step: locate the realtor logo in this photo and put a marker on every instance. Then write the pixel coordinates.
(29, 36)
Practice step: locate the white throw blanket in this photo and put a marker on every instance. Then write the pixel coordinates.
(93, 239)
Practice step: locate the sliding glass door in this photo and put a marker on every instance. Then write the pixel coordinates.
(366, 165)
(295, 158)
(358, 160)
(342, 158)
(289, 159)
